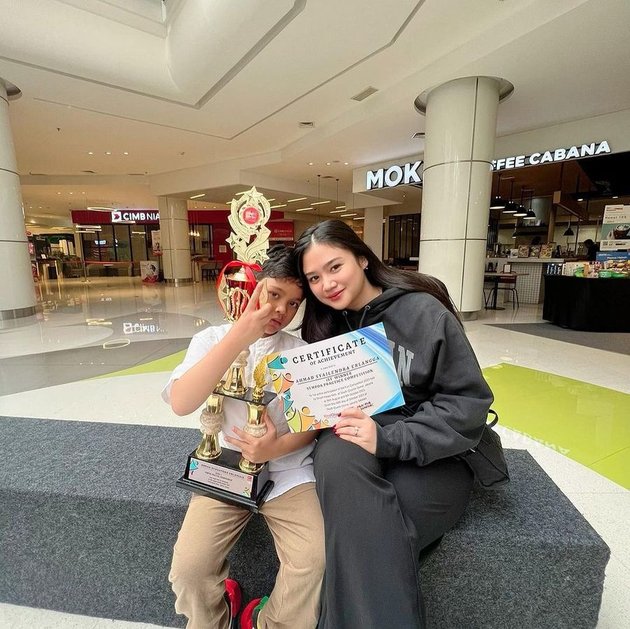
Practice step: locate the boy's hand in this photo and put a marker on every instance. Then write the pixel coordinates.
(251, 324)
(256, 449)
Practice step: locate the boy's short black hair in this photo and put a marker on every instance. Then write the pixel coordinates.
(280, 264)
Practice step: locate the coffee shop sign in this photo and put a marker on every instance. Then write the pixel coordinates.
(553, 155)
(120, 216)
(394, 176)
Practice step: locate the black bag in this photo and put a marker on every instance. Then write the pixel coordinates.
(487, 460)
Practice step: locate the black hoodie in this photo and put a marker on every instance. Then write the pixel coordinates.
(446, 396)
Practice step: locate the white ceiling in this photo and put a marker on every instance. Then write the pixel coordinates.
(185, 91)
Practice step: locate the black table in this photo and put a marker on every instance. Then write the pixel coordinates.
(595, 305)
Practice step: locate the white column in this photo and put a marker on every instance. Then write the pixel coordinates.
(373, 230)
(457, 178)
(175, 242)
(17, 295)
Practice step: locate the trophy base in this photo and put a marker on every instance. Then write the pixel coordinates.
(222, 479)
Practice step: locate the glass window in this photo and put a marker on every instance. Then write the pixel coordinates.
(138, 243)
(122, 246)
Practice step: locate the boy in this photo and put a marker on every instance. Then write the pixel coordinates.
(199, 569)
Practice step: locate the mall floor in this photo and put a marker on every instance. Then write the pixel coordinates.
(568, 404)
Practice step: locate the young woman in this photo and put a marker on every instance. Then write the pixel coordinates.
(389, 485)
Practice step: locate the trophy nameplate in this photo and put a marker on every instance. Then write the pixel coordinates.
(222, 479)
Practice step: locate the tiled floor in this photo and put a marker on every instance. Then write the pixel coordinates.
(119, 336)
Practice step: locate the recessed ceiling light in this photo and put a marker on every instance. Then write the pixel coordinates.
(615, 197)
(279, 205)
(359, 218)
(327, 163)
(337, 211)
(270, 200)
(310, 163)
(580, 199)
(298, 199)
(345, 163)
(344, 215)
(320, 202)
(198, 196)
(125, 152)
(340, 207)
(108, 152)
(58, 192)
(303, 209)
(90, 152)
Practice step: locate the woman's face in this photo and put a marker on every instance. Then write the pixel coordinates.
(336, 277)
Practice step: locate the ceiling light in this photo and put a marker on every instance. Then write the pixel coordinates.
(304, 209)
(337, 211)
(298, 199)
(320, 202)
(530, 214)
(615, 197)
(125, 153)
(344, 215)
(345, 163)
(327, 163)
(58, 192)
(497, 203)
(310, 163)
(90, 152)
(340, 207)
(198, 196)
(270, 200)
(580, 199)
(279, 205)
(108, 152)
(359, 218)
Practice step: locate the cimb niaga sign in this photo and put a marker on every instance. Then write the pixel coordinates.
(122, 216)
(551, 155)
(393, 176)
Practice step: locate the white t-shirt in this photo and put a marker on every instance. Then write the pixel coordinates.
(287, 471)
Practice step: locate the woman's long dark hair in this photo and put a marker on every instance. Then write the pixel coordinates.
(318, 322)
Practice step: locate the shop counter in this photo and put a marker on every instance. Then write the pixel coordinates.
(595, 305)
(109, 269)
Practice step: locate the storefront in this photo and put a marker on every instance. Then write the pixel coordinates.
(116, 242)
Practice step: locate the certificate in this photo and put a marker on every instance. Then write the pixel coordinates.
(316, 382)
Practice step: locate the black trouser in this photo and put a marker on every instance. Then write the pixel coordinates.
(378, 515)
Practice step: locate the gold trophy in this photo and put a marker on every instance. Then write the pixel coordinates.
(223, 473)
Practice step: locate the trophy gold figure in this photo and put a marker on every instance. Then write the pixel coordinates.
(223, 473)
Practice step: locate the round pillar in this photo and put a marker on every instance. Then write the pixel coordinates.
(175, 242)
(457, 179)
(17, 297)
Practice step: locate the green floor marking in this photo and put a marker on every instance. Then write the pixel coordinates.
(588, 423)
(166, 363)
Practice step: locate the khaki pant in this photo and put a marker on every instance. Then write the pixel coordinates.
(210, 530)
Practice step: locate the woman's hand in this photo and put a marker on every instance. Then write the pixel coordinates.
(256, 449)
(357, 427)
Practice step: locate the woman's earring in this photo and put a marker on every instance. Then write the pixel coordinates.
(365, 267)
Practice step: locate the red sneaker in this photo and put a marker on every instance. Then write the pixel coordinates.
(233, 599)
(249, 617)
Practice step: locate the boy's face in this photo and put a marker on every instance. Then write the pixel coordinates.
(285, 295)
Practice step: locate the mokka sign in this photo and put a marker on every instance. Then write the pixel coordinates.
(394, 176)
(552, 155)
(122, 216)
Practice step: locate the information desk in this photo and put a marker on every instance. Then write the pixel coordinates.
(595, 305)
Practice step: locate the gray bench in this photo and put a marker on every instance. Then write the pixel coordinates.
(89, 513)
